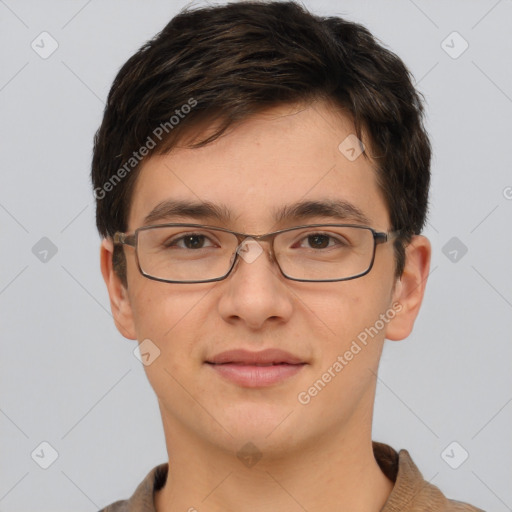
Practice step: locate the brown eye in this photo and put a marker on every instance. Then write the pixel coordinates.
(318, 241)
(189, 241)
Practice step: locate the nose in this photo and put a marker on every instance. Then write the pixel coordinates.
(255, 293)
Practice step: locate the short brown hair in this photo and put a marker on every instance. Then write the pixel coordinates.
(231, 61)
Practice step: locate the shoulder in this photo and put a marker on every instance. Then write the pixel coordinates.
(411, 492)
(459, 506)
(117, 506)
(142, 499)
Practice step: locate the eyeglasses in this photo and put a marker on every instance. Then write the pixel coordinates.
(192, 253)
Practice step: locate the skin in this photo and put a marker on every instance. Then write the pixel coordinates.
(317, 456)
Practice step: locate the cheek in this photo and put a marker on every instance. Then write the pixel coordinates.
(348, 308)
(349, 352)
(160, 311)
(353, 334)
(174, 317)
(170, 320)
(156, 307)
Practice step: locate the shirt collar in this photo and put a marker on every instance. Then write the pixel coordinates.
(411, 492)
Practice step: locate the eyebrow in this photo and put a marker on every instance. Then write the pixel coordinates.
(336, 209)
(170, 208)
(340, 210)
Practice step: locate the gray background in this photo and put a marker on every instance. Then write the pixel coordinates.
(68, 377)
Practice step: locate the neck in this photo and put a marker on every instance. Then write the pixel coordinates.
(335, 473)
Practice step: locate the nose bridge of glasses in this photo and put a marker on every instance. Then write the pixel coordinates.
(250, 247)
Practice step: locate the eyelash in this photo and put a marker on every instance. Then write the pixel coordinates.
(175, 240)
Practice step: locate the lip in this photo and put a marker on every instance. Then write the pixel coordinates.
(246, 357)
(256, 369)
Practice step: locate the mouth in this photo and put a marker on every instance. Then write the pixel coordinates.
(244, 363)
(256, 369)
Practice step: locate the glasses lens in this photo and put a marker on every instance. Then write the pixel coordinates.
(189, 253)
(325, 252)
(185, 253)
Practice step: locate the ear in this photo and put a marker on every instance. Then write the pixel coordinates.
(410, 288)
(119, 300)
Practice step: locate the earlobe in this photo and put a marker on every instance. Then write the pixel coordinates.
(119, 300)
(410, 288)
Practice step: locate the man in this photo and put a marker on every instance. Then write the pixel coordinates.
(261, 177)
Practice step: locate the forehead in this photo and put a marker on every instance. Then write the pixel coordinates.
(264, 166)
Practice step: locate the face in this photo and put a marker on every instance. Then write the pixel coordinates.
(278, 158)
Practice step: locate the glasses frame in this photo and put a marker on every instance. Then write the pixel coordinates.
(131, 239)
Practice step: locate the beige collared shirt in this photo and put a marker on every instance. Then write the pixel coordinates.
(411, 492)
